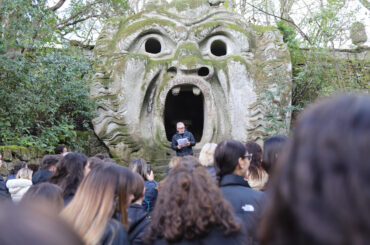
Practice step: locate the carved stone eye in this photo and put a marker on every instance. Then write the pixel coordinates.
(218, 48)
(153, 46)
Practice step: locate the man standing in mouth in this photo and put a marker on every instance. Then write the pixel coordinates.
(182, 141)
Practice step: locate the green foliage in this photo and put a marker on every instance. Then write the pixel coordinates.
(43, 98)
(43, 90)
(277, 112)
(318, 72)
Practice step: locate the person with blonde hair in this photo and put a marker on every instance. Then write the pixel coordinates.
(103, 193)
(19, 186)
(173, 163)
(206, 158)
(257, 176)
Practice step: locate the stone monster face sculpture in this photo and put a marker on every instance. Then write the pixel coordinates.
(186, 61)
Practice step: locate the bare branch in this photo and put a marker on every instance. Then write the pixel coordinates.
(81, 45)
(305, 37)
(365, 3)
(78, 21)
(57, 6)
(76, 15)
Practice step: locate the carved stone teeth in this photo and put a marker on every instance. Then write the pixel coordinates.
(175, 91)
(196, 91)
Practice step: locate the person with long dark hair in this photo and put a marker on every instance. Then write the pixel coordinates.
(191, 210)
(34, 224)
(103, 192)
(46, 194)
(320, 190)
(69, 174)
(232, 161)
(138, 216)
(47, 168)
(140, 166)
(272, 149)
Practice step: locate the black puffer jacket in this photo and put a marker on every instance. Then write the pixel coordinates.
(214, 237)
(247, 203)
(185, 150)
(138, 221)
(114, 234)
(3, 190)
(40, 176)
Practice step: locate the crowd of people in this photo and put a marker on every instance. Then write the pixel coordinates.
(309, 188)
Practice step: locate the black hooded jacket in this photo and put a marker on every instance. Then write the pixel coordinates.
(247, 203)
(3, 190)
(138, 221)
(114, 234)
(214, 237)
(40, 176)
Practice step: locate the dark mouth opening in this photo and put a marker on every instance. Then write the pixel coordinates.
(184, 104)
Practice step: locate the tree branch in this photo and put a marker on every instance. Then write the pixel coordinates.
(79, 13)
(57, 6)
(78, 21)
(305, 37)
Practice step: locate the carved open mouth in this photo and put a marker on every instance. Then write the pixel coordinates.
(184, 103)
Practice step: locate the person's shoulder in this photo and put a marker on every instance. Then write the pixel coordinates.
(151, 183)
(188, 132)
(217, 236)
(115, 234)
(18, 183)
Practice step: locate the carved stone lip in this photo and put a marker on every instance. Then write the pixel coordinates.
(196, 81)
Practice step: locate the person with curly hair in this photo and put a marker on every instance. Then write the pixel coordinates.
(191, 210)
(320, 190)
(257, 176)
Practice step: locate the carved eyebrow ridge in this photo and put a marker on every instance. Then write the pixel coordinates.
(149, 26)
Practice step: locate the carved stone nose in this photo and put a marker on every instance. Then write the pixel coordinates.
(189, 61)
(200, 70)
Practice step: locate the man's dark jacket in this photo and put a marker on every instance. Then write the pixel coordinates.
(40, 176)
(3, 191)
(247, 203)
(185, 150)
(138, 221)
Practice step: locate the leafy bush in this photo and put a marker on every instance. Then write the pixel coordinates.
(43, 98)
(43, 81)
